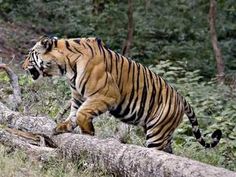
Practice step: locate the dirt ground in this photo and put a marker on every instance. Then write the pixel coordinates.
(15, 40)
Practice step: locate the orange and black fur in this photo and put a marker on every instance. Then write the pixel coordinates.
(102, 80)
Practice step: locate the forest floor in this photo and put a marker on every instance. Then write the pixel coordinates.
(13, 45)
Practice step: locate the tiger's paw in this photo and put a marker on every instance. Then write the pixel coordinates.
(63, 128)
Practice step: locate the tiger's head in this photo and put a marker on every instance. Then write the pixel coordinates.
(44, 59)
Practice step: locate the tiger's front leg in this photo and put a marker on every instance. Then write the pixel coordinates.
(63, 127)
(67, 125)
(100, 96)
(89, 109)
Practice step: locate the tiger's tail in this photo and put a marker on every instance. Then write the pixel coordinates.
(216, 135)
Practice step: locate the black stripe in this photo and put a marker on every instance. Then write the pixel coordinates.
(81, 80)
(55, 42)
(154, 145)
(138, 69)
(77, 41)
(147, 76)
(83, 87)
(77, 102)
(197, 134)
(131, 119)
(95, 92)
(68, 59)
(117, 58)
(153, 96)
(121, 70)
(84, 45)
(90, 49)
(99, 112)
(129, 66)
(109, 52)
(135, 103)
(144, 97)
(116, 112)
(105, 60)
(99, 42)
(110, 57)
(77, 50)
(160, 90)
(84, 74)
(74, 69)
(76, 107)
(105, 83)
(104, 54)
(68, 46)
(133, 83)
(62, 71)
(72, 86)
(194, 122)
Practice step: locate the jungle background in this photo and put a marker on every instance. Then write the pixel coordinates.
(171, 37)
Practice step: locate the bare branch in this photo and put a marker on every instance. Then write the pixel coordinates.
(15, 86)
(63, 111)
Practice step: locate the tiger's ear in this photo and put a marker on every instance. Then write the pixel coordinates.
(46, 43)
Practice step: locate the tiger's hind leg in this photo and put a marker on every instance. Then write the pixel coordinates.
(165, 145)
(160, 130)
(168, 146)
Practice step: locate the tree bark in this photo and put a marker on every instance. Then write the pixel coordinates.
(98, 6)
(129, 39)
(217, 51)
(34, 150)
(121, 159)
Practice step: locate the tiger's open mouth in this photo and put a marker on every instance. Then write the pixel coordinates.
(34, 73)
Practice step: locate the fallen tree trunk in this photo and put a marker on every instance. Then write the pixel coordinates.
(121, 159)
(31, 148)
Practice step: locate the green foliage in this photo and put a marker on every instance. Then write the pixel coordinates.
(55, 92)
(176, 30)
(3, 77)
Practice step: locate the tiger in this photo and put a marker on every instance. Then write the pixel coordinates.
(102, 80)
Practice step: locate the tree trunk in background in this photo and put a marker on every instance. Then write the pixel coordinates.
(217, 51)
(147, 5)
(98, 6)
(129, 39)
